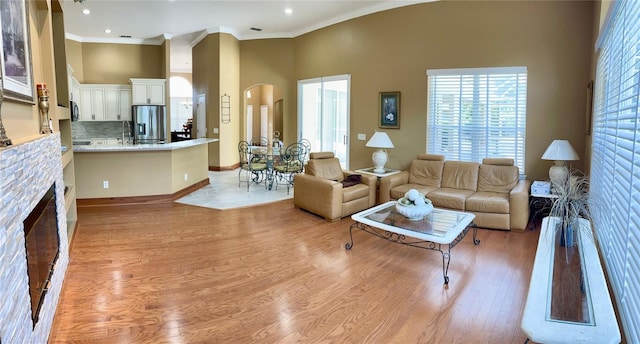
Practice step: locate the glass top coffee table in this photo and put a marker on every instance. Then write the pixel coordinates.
(439, 228)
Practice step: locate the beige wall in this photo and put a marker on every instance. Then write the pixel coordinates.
(271, 61)
(206, 64)
(74, 58)
(229, 85)
(391, 51)
(117, 63)
(216, 62)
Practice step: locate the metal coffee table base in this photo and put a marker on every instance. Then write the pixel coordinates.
(408, 241)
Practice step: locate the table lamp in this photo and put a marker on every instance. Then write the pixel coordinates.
(379, 140)
(560, 151)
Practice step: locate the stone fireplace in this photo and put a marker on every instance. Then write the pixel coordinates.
(27, 171)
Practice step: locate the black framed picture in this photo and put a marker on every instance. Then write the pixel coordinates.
(589, 112)
(389, 110)
(17, 77)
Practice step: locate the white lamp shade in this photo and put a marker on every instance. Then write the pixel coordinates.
(380, 140)
(560, 150)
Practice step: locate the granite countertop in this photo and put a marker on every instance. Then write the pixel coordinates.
(127, 147)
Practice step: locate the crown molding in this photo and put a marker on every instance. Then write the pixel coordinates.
(115, 40)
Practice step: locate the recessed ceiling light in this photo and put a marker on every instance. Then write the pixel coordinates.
(107, 31)
(86, 11)
(288, 10)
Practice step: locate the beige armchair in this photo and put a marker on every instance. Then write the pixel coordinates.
(320, 188)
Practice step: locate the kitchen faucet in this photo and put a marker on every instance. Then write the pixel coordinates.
(124, 125)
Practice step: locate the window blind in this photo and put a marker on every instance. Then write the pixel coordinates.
(477, 112)
(615, 166)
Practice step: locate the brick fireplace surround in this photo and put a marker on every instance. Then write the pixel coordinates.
(27, 171)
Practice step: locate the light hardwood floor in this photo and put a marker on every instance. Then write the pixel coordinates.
(173, 273)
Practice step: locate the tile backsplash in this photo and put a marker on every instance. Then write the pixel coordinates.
(85, 130)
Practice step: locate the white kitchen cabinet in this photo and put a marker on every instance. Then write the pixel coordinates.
(148, 91)
(103, 102)
(117, 103)
(75, 90)
(91, 104)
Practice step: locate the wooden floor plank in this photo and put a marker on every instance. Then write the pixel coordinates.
(173, 273)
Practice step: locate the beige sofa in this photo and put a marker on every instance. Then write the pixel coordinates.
(320, 188)
(491, 190)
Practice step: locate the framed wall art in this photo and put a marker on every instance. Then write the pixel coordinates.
(389, 110)
(589, 112)
(17, 74)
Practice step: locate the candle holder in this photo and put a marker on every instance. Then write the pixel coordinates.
(43, 104)
(4, 140)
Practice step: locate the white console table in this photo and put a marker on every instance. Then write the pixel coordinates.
(536, 321)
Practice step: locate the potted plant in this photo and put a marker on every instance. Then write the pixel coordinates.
(570, 205)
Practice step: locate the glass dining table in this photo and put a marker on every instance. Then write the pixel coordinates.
(271, 157)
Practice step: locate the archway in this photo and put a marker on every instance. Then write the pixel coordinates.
(181, 95)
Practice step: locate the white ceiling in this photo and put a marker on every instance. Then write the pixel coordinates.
(187, 21)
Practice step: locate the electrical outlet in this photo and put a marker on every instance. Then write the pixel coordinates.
(105, 184)
(362, 137)
(186, 176)
(215, 130)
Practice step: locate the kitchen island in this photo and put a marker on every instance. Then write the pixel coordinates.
(140, 173)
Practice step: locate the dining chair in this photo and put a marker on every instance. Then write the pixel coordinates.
(307, 145)
(291, 163)
(251, 165)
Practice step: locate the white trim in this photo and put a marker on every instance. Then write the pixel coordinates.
(115, 40)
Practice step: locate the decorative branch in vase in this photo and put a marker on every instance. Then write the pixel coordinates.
(572, 204)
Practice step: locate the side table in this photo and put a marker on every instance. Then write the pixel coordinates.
(539, 207)
(369, 170)
(387, 172)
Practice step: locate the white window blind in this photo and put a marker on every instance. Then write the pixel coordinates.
(615, 166)
(476, 113)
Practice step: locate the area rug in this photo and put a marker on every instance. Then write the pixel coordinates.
(223, 192)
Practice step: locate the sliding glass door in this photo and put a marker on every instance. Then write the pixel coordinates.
(323, 115)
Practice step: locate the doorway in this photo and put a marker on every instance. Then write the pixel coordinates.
(263, 116)
(323, 114)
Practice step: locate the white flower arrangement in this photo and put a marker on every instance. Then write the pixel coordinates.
(415, 198)
(414, 205)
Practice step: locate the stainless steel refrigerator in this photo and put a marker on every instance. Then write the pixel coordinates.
(149, 124)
